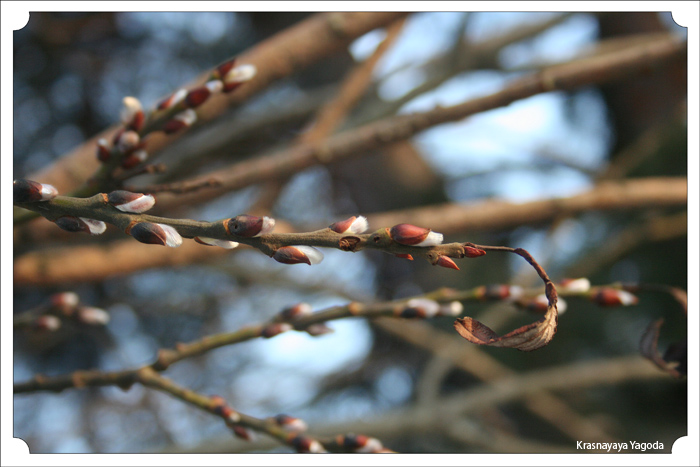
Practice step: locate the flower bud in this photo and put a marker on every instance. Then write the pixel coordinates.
(581, 285)
(228, 244)
(172, 100)
(221, 70)
(156, 234)
(103, 151)
(606, 296)
(128, 141)
(354, 225)
(250, 226)
(318, 329)
(446, 262)
(271, 330)
(359, 443)
(407, 234)
(134, 159)
(48, 323)
(92, 316)
(64, 301)
(471, 252)
(81, 224)
(221, 408)
(293, 312)
(127, 201)
(453, 308)
(298, 254)
(304, 444)
(289, 423)
(419, 308)
(182, 120)
(242, 433)
(499, 292)
(238, 75)
(197, 96)
(25, 191)
(132, 115)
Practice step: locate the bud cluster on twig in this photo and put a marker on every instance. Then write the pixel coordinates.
(59, 307)
(173, 114)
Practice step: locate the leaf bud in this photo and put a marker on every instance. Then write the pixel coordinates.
(471, 252)
(446, 262)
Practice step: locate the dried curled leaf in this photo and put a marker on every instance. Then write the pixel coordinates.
(527, 338)
(648, 346)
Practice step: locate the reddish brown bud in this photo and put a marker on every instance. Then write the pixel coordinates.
(419, 308)
(318, 329)
(104, 153)
(132, 115)
(81, 224)
(293, 312)
(156, 234)
(297, 255)
(407, 234)
(250, 226)
(25, 191)
(134, 159)
(271, 330)
(47, 323)
(64, 301)
(197, 96)
(182, 120)
(447, 262)
(606, 296)
(221, 70)
(127, 201)
(172, 100)
(289, 423)
(471, 252)
(92, 316)
(355, 225)
(360, 443)
(500, 292)
(242, 432)
(304, 444)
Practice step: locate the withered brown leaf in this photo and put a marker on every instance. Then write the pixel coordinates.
(529, 337)
(648, 346)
